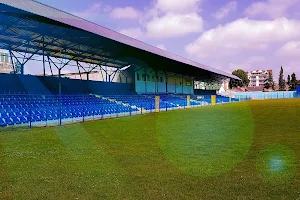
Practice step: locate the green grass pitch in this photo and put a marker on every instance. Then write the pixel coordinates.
(248, 150)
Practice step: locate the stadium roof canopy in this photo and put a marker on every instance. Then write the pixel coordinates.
(32, 27)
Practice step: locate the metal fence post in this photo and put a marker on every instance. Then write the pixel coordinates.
(93, 113)
(117, 109)
(30, 112)
(46, 116)
(60, 107)
(141, 108)
(102, 110)
(83, 109)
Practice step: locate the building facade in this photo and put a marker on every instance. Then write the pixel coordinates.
(257, 78)
(5, 62)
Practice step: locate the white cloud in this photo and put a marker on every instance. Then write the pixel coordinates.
(272, 8)
(224, 11)
(136, 33)
(248, 64)
(174, 25)
(172, 18)
(178, 6)
(161, 46)
(290, 50)
(243, 34)
(290, 67)
(124, 13)
(90, 13)
(107, 8)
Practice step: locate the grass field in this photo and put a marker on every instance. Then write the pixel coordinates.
(248, 150)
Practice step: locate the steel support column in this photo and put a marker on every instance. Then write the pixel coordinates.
(59, 94)
(166, 76)
(12, 61)
(182, 83)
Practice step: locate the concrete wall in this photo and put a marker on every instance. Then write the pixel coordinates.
(149, 82)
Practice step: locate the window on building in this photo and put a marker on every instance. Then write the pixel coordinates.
(143, 77)
(6, 58)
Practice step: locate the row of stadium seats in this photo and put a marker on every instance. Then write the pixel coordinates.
(20, 109)
(147, 102)
(134, 100)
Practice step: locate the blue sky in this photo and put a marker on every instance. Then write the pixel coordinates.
(222, 34)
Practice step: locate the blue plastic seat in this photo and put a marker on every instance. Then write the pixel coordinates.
(2, 122)
(9, 121)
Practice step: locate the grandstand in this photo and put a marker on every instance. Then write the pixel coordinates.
(131, 74)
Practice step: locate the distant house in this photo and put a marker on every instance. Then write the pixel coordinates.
(5, 62)
(257, 78)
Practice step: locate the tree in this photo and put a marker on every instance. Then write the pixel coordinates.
(242, 75)
(269, 82)
(293, 83)
(281, 81)
(289, 81)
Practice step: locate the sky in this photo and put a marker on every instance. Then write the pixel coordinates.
(223, 34)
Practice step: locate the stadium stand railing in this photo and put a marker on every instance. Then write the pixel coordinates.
(266, 95)
(21, 109)
(27, 100)
(25, 109)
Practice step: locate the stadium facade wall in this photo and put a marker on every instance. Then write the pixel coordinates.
(149, 82)
(33, 85)
(12, 83)
(84, 86)
(150, 87)
(98, 87)
(171, 88)
(161, 88)
(140, 87)
(205, 92)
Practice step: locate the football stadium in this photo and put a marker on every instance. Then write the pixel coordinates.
(131, 125)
